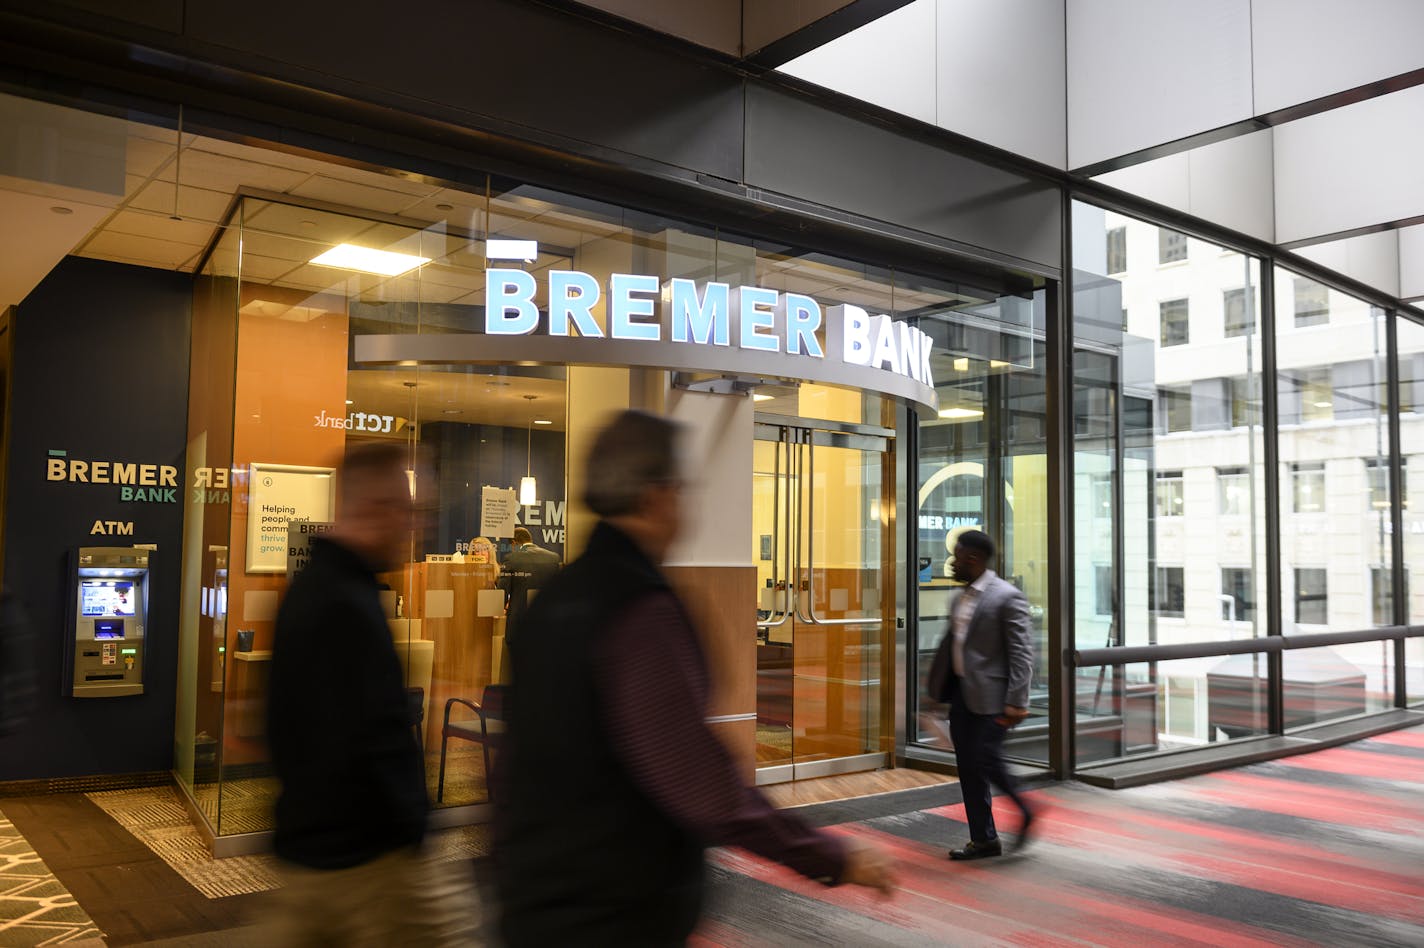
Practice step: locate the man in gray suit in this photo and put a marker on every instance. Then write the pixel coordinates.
(982, 671)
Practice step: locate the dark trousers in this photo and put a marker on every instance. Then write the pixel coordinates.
(979, 752)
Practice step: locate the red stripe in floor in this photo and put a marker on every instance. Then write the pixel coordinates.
(1357, 763)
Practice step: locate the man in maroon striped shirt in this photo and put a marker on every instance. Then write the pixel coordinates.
(612, 783)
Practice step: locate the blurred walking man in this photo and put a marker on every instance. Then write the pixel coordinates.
(352, 809)
(982, 670)
(612, 784)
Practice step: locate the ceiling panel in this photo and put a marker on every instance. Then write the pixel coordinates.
(226, 173)
(144, 156)
(322, 187)
(107, 245)
(148, 224)
(30, 252)
(266, 156)
(259, 269)
(304, 223)
(464, 211)
(200, 204)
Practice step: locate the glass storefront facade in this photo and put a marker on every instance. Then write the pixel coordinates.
(1239, 435)
(279, 390)
(1234, 479)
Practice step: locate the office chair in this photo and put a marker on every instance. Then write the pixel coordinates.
(486, 729)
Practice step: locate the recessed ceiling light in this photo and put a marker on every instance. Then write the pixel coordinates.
(961, 365)
(996, 364)
(444, 207)
(960, 414)
(61, 209)
(542, 421)
(759, 397)
(451, 411)
(1322, 404)
(350, 401)
(308, 223)
(369, 260)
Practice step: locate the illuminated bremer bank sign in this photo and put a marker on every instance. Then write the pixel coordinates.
(679, 325)
(751, 318)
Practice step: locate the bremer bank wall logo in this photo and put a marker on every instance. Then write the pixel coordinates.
(136, 482)
(358, 421)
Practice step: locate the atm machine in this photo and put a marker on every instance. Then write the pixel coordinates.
(108, 610)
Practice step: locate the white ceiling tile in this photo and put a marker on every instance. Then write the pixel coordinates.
(294, 249)
(144, 156)
(458, 277)
(349, 194)
(414, 190)
(193, 203)
(259, 269)
(226, 173)
(466, 211)
(318, 227)
(322, 279)
(148, 224)
(262, 155)
(167, 254)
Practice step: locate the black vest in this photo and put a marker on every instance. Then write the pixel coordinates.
(582, 855)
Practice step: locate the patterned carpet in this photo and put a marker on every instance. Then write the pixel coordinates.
(35, 908)
(158, 819)
(1322, 849)
(1325, 848)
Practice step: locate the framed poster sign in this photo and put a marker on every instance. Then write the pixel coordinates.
(278, 495)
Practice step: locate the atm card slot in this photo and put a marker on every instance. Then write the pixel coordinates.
(118, 677)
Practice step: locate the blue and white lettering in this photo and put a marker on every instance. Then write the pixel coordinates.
(689, 318)
(623, 306)
(886, 354)
(509, 303)
(756, 311)
(802, 317)
(909, 351)
(572, 296)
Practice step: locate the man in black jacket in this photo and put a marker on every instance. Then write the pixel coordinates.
(352, 808)
(611, 782)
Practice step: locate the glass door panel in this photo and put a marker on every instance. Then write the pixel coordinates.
(821, 521)
(773, 525)
(842, 599)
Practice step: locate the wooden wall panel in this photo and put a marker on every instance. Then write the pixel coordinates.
(722, 601)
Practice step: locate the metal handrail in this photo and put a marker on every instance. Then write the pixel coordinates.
(1135, 654)
(776, 536)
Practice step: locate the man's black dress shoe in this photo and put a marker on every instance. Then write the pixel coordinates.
(1025, 834)
(980, 849)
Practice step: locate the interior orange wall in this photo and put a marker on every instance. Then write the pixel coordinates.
(288, 372)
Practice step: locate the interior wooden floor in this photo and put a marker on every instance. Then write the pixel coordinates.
(851, 786)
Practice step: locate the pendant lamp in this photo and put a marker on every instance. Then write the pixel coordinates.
(528, 489)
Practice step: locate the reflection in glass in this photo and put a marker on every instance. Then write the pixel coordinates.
(983, 465)
(1323, 684)
(1333, 441)
(1181, 445)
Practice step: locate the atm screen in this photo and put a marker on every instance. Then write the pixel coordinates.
(108, 628)
(106, 597)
